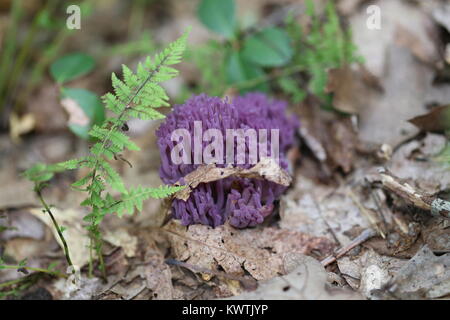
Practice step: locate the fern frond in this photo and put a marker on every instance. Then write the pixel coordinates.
(135, 96)
(111, 176)
(136, 197)
(113, 104)
(73, 163)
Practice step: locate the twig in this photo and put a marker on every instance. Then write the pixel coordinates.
(438, 207)
(364, 236)
(330, 230)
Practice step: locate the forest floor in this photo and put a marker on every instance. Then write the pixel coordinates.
(360, 218)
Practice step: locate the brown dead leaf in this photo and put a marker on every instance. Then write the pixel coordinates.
(425, 276)
(267, 168)
(437, 120)
(408, 39)
(306, 280)
(146, 277)
(321, 210)
(116, 262)
(258, 251)
(121, 238)
(351, 88)
(369, 271)
(429, 176)
(329, 136)
(436, 234)
(407, 81)
(24, 248)
(342, 144)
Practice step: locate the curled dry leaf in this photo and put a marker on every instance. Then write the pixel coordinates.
(437, 120)
(258, 251)
(267, 168)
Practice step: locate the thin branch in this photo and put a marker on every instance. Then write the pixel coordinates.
(420, 199)
(363, 237)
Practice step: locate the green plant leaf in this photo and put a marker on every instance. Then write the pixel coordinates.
(89, 104)
(243, 74)
(270, 47)
(218, 16)
(71, 67)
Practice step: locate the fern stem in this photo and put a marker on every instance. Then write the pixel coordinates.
(55, 273)
(91, 258)
(58, 229)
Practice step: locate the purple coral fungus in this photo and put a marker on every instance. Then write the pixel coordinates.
(243, 202)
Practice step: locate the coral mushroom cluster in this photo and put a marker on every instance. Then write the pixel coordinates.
(244, 202)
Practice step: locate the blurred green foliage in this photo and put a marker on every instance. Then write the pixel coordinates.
(283, 58)
(88, 103)
(71, 66)
(24, 60)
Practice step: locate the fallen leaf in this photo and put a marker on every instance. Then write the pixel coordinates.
(341, 145)
(351, 88)
(258, 251)
(425, 276)
(407, 81)
(121, 238)
(369, 271)
(436, 234)
(21, 224)
(408, 163)
(320, 210)
(407, 38)
(306, 280)
(23, 248)
(437, 120)
(266, 168)
(329, 136)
